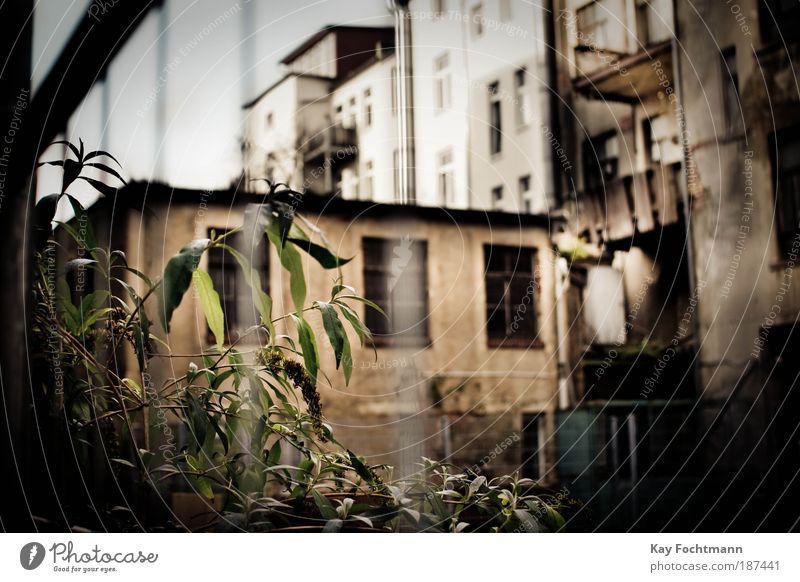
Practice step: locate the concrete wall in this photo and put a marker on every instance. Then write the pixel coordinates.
(733, 222)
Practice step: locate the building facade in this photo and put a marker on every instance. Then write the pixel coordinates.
(741, 118)
(463, 369)
(632, 301)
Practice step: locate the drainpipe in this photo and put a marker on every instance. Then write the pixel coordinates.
(404, 98)
(554, 104)
(683, 185)
(565, 387)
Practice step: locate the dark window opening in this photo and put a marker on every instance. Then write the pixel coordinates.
(730, 92)
(600, 161)
(234, 292)
(530, 446)
(495, 120)
(786, 176)
(395, 278)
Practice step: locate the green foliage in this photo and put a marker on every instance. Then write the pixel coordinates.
(177, 277)
(242, 411)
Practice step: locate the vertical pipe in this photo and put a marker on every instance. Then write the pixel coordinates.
(405, 114)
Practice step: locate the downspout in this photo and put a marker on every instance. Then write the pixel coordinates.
(404, 97)
(553, 100)
(684, 188)
(565, 387)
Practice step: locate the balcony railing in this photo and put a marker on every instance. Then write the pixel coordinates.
(615, 56)
(336, 142)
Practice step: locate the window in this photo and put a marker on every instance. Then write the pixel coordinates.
(369, 180)
(476, 20)
(395, 277)
(505, 10)
(269, 120)
(235, 295)
(524, 185)
(592, 26)
(511, 289)
(730, 92)
(437, 7)
(530, 446)
(444, 173)
(497, 196)
(523, 110)
(367, 107)
(600, 160)
(495, 120)
(394, 90)
(442, 82)
(351, 113)
(786, 172)
(777, 19)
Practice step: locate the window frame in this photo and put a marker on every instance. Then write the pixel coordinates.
(786, 225)
(383, 332)
(495, 120)
(218, 262)
(509, 277)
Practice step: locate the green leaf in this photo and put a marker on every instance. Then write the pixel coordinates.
(325, 507)
(308, 345)
(274, 456)
(125, 462)
(177, 276)
(70, 266)
(347, 358)
(202, 485)
(107, 170)
(350, 315)
(83, 226)
(69, 144)
(97, 153)
(334, 329)
(291, 261)
(360, 468)
(101, 187)
(210, 303)
(322, 255)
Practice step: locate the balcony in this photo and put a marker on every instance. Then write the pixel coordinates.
(626, 78)
(637, 204)
(619, 58)
(335, 143)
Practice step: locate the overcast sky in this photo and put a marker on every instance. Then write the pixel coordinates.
(209, 68)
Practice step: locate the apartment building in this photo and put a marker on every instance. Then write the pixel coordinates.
(463, 370)
(632, 298)
(743, 136)
(481, 105)
(333, 101)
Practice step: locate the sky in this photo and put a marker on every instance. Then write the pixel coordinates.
(173, 100)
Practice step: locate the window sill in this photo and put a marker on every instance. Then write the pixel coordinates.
(395, 342)
(516, 344)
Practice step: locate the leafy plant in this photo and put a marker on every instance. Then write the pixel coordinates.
(242, 410)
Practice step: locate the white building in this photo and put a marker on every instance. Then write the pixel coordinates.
(333, 103)
(482, 136)
(481, 105)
